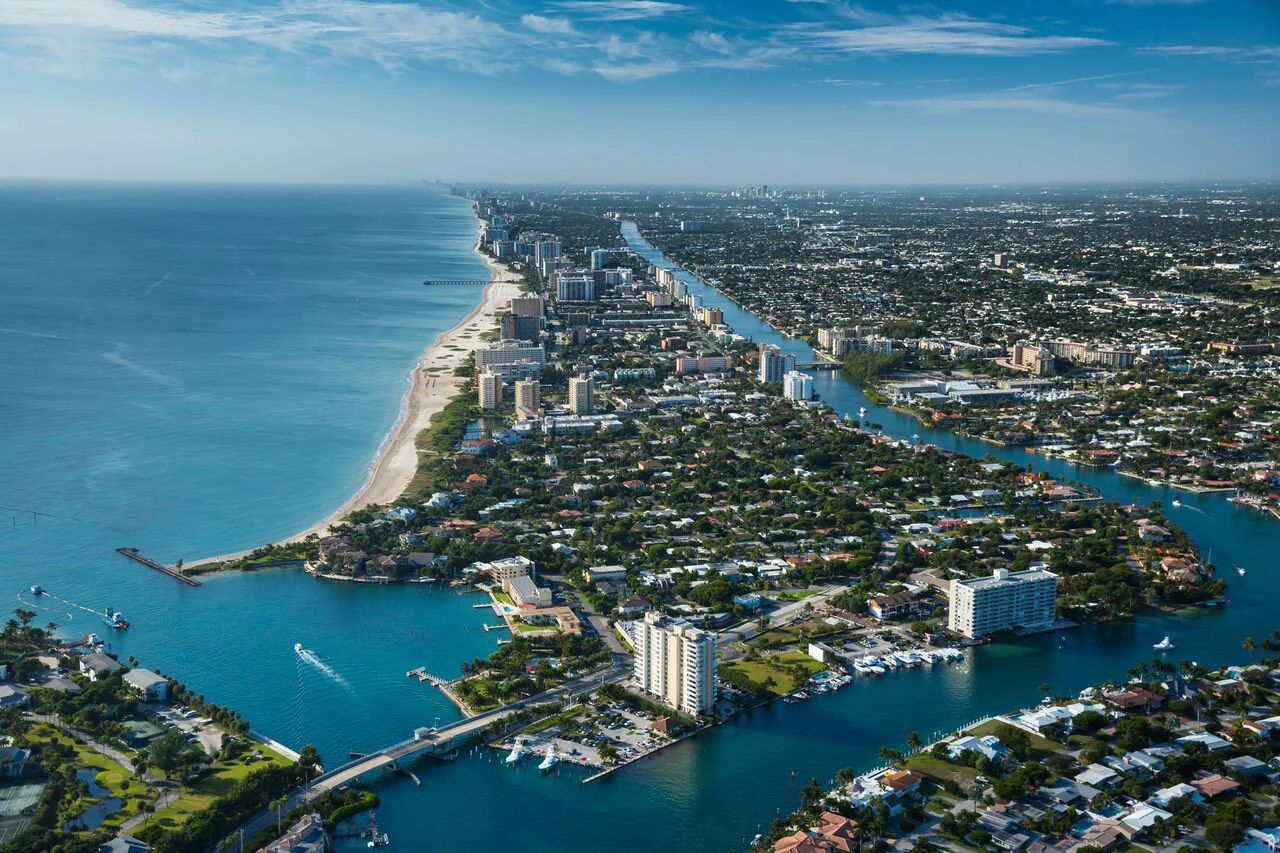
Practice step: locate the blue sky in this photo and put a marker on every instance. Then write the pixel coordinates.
(641, 91)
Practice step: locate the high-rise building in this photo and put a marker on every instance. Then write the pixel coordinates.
(676, 663)
(774, 364)
(575, 287)
(513, 327)
(1005, 601)
(545, 250)
(580, 402)
(528, 395)
(526, 306)
(599, 258)
(797, 385)
(489, 388)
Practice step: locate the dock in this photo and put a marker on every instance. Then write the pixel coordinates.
(137, 557)
(422, 675)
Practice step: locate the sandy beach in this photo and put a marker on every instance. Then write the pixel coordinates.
(432, 384)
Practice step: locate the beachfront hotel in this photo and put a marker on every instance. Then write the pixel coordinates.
(676, 663)
(1005, 601)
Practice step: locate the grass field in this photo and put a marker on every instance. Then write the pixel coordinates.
(115, 779)
(994, 727)
(222, 777)
(934, 768)
(779, 668)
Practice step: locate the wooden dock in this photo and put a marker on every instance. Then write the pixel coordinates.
(133, 554)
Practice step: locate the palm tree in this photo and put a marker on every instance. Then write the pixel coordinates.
(1249, 646)
(913, 740)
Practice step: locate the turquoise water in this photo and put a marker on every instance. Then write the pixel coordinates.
(194, 370)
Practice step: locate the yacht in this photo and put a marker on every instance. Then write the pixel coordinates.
(114, 619)
(1240, 571)
(1166, 643)
(550, 761)
(517, 753)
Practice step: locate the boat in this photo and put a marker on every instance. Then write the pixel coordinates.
(517, 753)
(371, 834)
(1240, 571)
(862, 412)
(37, 590)
(114, 619)
(550, 761)
(1166, 643)
(1175, 502)
(297, 647)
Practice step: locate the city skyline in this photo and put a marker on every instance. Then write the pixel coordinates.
(639, 91)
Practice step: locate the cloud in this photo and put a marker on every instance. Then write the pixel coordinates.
(548, 26)
(955, 35)
(1005, 103)
(623, 10)
(635, 71)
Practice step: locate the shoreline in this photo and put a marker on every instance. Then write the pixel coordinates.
(432, 385)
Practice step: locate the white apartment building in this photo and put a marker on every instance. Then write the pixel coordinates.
(575, 287)
(676, 663)
(1003, 602)
(774, 364)
(505, 570)
(580, 402)
(797, 386)
(509, 352)
(489, 389)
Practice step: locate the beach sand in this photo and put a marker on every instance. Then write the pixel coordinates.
(429, 392)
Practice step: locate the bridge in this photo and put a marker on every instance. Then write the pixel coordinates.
(818, 365)
(443, 740)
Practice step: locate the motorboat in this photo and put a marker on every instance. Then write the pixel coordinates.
(114, 619)
(37, 590)
(517, 753)
(1240, 571)
(1164, 644)
(550, 761)
(372, 835)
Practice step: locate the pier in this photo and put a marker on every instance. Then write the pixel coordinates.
(456, 282)
(133, 554)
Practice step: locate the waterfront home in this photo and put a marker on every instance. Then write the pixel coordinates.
(833, 832)
(94, 666)
(307, 835)
(13, 696)
(988, 746)
(152, 686)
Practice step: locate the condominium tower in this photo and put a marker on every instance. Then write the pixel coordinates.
(676, 663)
(1005, 601)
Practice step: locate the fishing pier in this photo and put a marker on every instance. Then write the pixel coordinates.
(137, 557)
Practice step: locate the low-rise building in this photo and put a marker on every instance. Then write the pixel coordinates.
(152, 686)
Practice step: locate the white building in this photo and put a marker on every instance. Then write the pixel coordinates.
(524, 590)
(575, 287)
(676, 663)
(580, 395)
(512, 567)
(152, 686)
(774, 364)
(1003, 602)
(797, 386)
(489, 390)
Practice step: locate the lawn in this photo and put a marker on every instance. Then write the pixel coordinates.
(111, 776)
(222, 777)
(936, 768)
(778, 668)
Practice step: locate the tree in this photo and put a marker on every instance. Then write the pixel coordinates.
(167, 751)
(608, 752)
(1224, 835)
(913, 740)
(308, 758)
(1249, 646)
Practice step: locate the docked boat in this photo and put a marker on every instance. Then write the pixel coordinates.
(517, 753)
(550, 761)
(371, 834)
(114, 619)
(1166, 643)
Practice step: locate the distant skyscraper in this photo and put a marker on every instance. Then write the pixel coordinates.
(774, 364)
(797, 385)
(526, 306)
(490, 390)
(580, 402)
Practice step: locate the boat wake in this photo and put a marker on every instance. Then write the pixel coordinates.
(311, 658)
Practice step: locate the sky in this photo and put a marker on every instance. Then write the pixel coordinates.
(638, 92)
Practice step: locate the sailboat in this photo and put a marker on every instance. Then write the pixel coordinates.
(1166, 643)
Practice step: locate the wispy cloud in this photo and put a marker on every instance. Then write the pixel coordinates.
(548, 26)
(622, 10)
(942, 35)
(1006, 103)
